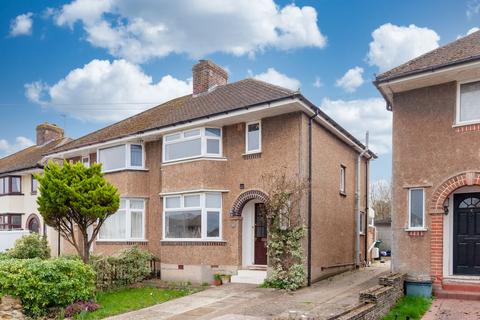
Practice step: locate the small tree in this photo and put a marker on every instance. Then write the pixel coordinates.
(72, 196)
(286, 231)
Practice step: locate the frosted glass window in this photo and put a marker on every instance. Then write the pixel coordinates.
(136, 230)
(112, 158)
(172, 202)
(253, 137)
(416, 208)
(469, 101)
(191, 201)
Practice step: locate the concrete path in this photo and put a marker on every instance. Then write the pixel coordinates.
(451, 309)
(248, 302)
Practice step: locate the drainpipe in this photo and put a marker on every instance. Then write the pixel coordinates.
(309, 213)
(367, 208)
(357, 203)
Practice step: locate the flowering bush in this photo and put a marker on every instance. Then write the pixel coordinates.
(80, 306)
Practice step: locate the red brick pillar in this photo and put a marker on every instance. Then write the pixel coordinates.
(436, 249)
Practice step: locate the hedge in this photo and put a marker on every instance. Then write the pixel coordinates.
(29, 247)
(44, 284)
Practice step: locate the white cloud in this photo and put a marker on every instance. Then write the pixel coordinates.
(144, 29)
(351, 80)
(317, 83)
(393, 45)
(358, 116)
(7, 148)
(473, 8)
(274, 77)
(469, 32)
(106, 91)
(21, 25)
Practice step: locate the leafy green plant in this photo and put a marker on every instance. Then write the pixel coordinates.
(130, 266)
(29, 247)
(44, 284)
(285, 232)
(217, 277)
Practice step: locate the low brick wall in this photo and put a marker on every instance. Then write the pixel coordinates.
(377, 301)
(11, 308)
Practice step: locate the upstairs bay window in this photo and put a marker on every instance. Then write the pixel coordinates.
(200, 142)
(127, 224)
(192, 216)
(10, 185)
(124, 156)
(468, 105)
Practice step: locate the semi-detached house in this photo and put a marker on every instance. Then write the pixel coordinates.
(190, 171)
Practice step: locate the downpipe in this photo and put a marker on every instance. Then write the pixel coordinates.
(309, 213)
(357, 202)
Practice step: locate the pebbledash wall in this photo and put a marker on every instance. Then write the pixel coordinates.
(431, 153)
(284, 150)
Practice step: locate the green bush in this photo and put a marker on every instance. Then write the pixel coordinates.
(29, 247)
(130, 266)
(44, 284)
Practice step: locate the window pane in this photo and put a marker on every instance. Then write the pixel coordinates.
(416, 208)
(16, 184)
(137, 224)
(114, 226)
(184, 224)
(253, 137)
(173, 137)
(136, 155)
(112, 158)
(213, 224)
(172, 202)
(213, 200)
(191, 201)
(212, 132)
(136, 204)
(213, 146)
(191, 133)
(470, 101)
(34, 184)
(16, 221)
(2, 189)
(183, 149)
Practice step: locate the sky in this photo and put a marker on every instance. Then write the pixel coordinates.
(84, 64)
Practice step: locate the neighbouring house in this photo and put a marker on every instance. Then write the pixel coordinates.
(435, 100)
(190, 170)
(18, 189)
(384, 233)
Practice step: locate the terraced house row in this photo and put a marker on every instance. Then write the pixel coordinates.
(189, 173)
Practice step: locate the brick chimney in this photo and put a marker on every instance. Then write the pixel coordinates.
(47, 132)
(207, 75)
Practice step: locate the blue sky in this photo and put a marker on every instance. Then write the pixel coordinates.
(132, 55)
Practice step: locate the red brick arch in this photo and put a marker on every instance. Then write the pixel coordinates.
(468, 178)
(243, 198)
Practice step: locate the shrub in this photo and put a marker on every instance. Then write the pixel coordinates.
(80, 306)
(29, 247)
(44, 284)
(130, 266)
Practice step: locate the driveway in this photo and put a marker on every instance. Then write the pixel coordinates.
(451, 309)
(248, 302)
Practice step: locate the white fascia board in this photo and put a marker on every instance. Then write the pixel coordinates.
(163, 194)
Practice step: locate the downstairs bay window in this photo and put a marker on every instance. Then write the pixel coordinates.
(127, 224)
(192, 216)
(200, 142)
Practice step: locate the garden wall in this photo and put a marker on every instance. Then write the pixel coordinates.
(11, 308)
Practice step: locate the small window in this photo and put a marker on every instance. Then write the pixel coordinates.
(361, 224)
(416, 209)
(342, 179)
(468, 105)
(34, 185)
(16, 184)
(253, 137)
(86, 161)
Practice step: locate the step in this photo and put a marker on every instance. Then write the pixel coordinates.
(461, 295)
(249, 276)
(460, 286)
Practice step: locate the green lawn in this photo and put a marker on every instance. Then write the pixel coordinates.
(412, 306)
(128, 299)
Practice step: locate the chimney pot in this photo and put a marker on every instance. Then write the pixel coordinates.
(47, 132)
(207, 75)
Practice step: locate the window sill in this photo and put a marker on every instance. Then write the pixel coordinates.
(416, 232)
(252, 155)
(193, 242)
(466, 123)
(203, 158)
(416, 229)
(12, 194)
(126, 169)
(121, 242)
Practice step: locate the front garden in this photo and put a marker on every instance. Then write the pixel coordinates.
(66, 287)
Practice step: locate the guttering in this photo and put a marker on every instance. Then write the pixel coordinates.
(21, 170)
(309, 213)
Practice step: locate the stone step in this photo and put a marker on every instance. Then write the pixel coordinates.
(249, 276)
(461, 295)
(459, 286)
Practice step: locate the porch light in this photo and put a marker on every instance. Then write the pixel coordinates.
(445, 206)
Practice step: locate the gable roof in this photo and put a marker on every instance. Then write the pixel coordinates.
(463, 50)
(28, 158)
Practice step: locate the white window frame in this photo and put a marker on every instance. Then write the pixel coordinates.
(128, 156)
(86, 163)
(259, 122)
(128, 222)
(343, 179)
(361, 224)
(201, 208)
(410, 210)
(203, 138)
(457, 108)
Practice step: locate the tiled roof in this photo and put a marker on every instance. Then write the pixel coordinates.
(28, 158)
(463, 50)
(221, 99)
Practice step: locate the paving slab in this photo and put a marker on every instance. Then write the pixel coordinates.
(453, 309)
(249, 302)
